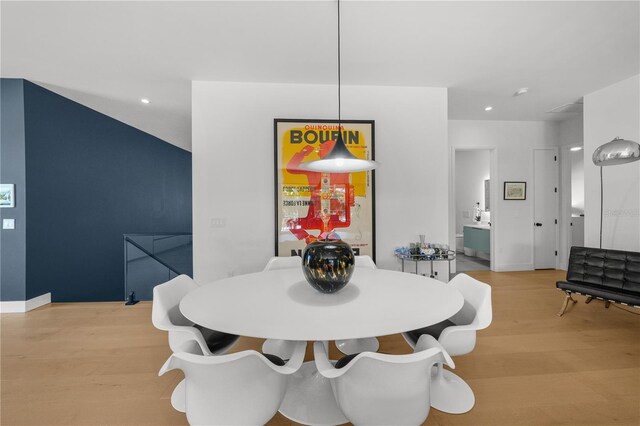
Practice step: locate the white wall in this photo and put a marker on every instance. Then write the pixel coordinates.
(610, 112)
(233, 175)
(514, 141)
(472, 169)
(570, 131)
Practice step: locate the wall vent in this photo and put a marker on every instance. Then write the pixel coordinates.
(571, 108)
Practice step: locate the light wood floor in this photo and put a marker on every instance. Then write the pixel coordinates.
(97, 363)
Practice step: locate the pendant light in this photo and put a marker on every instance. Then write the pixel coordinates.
(618, 151)
(339, 160)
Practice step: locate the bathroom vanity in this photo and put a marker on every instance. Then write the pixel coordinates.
(477, 237)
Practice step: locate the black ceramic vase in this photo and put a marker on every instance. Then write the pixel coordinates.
(328, 264)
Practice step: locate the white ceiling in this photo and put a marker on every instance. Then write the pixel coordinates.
(108, 55)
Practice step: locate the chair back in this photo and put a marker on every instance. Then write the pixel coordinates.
(365, 261)
(477, 309)
(379, 389)
(165, 311)
(243, 388)
(283, 262)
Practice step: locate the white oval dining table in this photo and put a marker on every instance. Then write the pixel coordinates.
(280, 304)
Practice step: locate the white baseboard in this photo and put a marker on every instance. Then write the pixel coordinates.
(512, 267)
(24, 305)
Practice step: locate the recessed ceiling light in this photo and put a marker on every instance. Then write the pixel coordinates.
(521, 91)
(145, 101)
(489, 108)
(576, 148)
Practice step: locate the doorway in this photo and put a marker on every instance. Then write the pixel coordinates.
(571, 201)
(545, 208)
(472, 209)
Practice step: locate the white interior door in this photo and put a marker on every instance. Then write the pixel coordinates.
(545, 204)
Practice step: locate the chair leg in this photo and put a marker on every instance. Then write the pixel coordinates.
(566, 302)
(589, 299)
(607, 304)
(449, 393)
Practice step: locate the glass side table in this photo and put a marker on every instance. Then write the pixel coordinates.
(417, 258)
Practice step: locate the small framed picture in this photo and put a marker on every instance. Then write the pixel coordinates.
(515, 190)
(7, 195)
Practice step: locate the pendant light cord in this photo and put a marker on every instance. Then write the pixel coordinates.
(339, 88)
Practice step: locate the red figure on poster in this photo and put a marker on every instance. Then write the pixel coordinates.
(334, 187)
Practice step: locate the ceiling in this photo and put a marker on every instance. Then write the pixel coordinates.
(108, 55)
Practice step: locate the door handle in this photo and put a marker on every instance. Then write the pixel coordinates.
(538, 224)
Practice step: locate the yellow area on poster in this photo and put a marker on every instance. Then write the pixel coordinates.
(297, 139)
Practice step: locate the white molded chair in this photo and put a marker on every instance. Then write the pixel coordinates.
(243, 388)
(276, 346)
(279, 348)
(368, 344)
(282, 262)
(166, 315)
(382, 389)
(365, 261)
(457, 335)
(184, 336)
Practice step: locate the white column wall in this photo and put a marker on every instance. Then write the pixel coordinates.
(610, 112)
(233, 166)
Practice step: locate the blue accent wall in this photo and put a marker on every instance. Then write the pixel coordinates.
(90, 180)
(12, 170)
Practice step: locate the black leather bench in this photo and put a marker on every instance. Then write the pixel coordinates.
(607, 275)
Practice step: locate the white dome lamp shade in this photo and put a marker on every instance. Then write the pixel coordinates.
(618, 151)
(340, 159)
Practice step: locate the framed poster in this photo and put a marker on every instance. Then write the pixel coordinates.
(515, 190)
(347, 199)
(7, 195)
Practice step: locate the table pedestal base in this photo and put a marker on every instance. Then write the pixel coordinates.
(309, 399)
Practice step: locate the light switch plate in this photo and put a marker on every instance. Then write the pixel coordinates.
(218, 222)
(8, 224)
